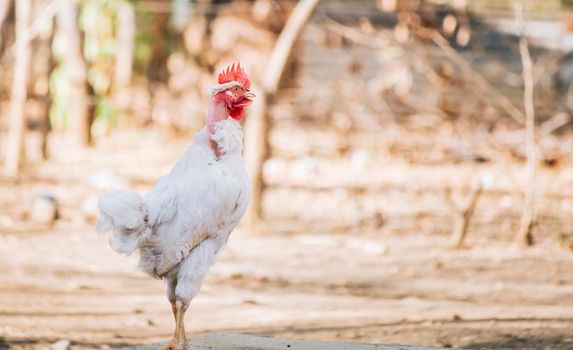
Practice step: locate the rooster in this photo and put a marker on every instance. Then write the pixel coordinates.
(180, 226)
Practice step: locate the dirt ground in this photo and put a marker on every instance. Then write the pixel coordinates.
(365, 285)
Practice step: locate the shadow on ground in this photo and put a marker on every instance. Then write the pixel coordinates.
(555, 342)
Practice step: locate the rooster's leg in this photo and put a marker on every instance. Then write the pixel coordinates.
(171, 285)
(174, 309)
(179, 341)
(179, 338)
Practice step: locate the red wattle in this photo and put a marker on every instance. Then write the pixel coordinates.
(237, 113)
(237, 109)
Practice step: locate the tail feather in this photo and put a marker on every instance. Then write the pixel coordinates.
(124, 213)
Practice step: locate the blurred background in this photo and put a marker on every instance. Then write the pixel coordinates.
(412, 165)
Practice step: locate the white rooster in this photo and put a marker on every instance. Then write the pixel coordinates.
(182, 224)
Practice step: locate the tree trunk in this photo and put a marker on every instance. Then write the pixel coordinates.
(125, 44)
(39, 92)
(256, 128)
(17, 123)
(124, 57)
(5, 8)
(157, 70)
(256, 144)
(81, 94)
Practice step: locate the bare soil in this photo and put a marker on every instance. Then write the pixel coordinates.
(369, 284)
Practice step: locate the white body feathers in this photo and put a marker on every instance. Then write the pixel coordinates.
(182, 223)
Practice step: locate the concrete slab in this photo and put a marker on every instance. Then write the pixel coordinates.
(226, 341)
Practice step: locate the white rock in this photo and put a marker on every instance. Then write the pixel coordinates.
(63, 344)
(44, 209)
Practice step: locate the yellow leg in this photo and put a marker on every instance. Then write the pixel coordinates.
(174, 309)
(180, 338)
(179, 341)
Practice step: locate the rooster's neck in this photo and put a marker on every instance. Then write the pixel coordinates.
(217, 112)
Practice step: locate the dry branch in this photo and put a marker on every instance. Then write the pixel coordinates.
(381, 41)
(44, 16)
(463, 215)
(257, 125)
(527, 218)
(481, 83)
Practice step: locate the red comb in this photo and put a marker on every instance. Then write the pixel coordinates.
(235, 74)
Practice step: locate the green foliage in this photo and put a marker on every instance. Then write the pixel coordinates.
(106, 112)
(60, 90)
(98, 21)
(143, 44)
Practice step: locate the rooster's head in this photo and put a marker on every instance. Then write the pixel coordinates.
(233, 89)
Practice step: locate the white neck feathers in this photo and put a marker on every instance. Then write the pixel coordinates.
(229, 137)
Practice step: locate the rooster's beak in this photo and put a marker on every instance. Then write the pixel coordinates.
(250, 95)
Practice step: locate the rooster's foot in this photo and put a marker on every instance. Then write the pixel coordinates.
(176, 345)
